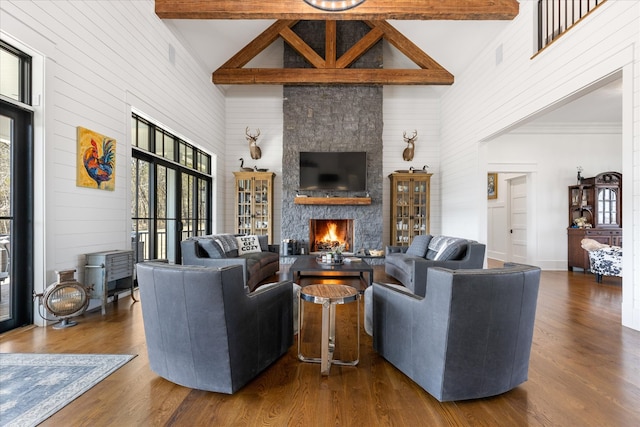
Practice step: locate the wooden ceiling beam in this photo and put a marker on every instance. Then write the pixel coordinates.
(371, 10)
(258, 44)
(330, 70)
(331, 76)
(330, 43)
(404, 45)
(360, 48)
(300, 46)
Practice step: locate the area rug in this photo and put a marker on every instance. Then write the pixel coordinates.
(35, 386)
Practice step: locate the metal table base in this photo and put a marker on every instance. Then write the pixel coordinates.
(329, 296)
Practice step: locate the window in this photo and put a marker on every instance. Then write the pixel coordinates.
(171, 193)
(15, 74)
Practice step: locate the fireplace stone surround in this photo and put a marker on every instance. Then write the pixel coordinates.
(333, 118)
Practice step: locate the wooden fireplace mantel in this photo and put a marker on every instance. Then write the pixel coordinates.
(332, 201)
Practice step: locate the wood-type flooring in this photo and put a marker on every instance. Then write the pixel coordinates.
(584, 371)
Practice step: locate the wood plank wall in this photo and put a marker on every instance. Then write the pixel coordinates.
(102, 59)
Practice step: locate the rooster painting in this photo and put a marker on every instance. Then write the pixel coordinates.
(98, 160)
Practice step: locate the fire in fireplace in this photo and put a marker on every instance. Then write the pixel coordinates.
(329, 234)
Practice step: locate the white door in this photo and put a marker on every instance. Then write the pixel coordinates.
(518, 219)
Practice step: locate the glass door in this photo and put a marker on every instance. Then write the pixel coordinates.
(170, 192)
(16, 234)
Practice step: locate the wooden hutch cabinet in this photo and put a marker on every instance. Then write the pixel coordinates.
(254, 203)
(599, 201)
(410, 193)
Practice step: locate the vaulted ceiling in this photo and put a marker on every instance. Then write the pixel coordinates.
(331, 69)
(451, 32)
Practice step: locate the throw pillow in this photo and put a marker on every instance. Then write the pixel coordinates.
(228, 242)
(419, 245)
(248, 244)
(264, 243)
(212, 248)
(592, 245)
(453, 250)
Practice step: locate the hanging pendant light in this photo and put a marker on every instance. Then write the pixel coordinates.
(334, 5)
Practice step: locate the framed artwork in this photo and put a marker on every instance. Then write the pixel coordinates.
(96, 160)
(492, 186)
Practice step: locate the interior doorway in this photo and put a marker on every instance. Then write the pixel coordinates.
(517, 211)
(510, 226)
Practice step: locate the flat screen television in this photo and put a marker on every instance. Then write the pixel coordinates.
(333, 171)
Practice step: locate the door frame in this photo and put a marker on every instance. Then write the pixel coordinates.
(22, 200)
(530, 170)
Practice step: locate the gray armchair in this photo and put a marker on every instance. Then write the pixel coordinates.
(469, 337)
(203, 329)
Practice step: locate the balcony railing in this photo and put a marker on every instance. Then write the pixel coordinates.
(555, 17)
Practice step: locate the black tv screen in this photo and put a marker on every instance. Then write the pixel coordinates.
(333, 171)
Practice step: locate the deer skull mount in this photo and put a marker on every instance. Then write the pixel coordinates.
(255, 151)
(407, 154)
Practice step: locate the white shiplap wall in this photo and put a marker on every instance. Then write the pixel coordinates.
(256, 107)
(488, 98)
(101, 60)
(405, 109)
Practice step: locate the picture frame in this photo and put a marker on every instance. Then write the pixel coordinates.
(492, 186)
(96, 160)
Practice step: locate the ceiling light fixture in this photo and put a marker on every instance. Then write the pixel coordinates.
(334, 5)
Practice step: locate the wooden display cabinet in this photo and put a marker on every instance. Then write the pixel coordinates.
(254, 203)
(410, 195)
(599, 201)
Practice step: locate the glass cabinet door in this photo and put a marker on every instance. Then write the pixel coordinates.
(244, 189)
(403, 211)
(261, 207)
(608, 206)
(420, 207)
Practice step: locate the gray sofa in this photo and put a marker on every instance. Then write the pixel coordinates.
(204, 331)
(221, 250)
(469, 337)
(409, 264)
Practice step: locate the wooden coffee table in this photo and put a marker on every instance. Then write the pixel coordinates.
(328, 296)
(308, 266)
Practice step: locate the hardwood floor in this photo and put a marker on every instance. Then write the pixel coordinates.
(584, 371)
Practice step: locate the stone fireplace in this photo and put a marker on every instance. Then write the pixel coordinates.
(336, 118)
(328, 234)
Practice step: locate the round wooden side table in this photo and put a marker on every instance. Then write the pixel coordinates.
(329, 296)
